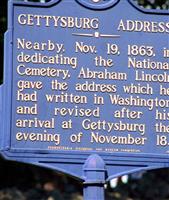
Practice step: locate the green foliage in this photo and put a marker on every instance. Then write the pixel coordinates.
(154, 4)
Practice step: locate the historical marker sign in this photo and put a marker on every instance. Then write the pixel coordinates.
(86, 77)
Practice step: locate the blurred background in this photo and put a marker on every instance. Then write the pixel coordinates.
(25, 182)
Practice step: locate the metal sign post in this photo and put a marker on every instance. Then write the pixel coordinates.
(95, 176)
(86, 88)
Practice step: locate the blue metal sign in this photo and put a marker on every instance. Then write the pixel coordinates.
(86, 77)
